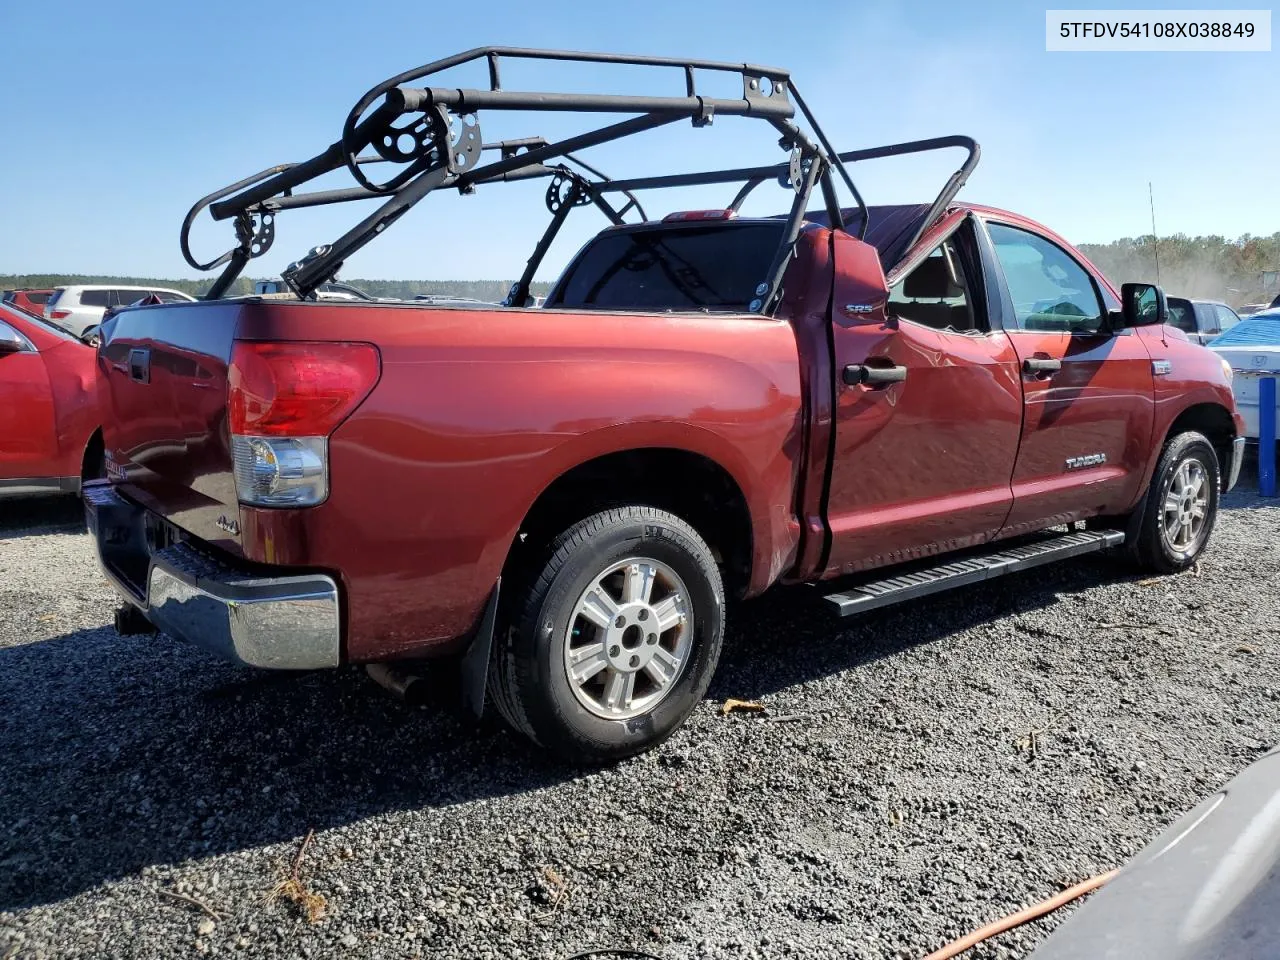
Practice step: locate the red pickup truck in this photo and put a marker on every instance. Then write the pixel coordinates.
(897, 399)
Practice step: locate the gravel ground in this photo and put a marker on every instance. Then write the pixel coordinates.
(940, 765)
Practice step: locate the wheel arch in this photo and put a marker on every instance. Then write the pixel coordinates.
(1211, 419)
(689, 483)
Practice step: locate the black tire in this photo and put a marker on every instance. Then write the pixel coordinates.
(1151, 547)
(528, 678)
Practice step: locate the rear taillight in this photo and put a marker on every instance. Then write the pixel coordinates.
(58, 314)
(284, 400)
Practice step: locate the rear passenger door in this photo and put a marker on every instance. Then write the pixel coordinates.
(1088, 392)
(925, 445)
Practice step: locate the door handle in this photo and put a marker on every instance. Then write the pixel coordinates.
(1038, 366)
(856, 373)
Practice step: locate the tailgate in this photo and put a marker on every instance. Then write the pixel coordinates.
(163, 391)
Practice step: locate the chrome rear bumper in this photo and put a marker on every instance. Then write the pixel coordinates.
(278, 622)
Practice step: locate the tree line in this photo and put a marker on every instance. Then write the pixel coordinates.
(1211, 267)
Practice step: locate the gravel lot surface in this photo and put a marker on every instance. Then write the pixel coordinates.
(938, 766)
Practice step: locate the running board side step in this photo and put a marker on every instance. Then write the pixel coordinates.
(973, 569)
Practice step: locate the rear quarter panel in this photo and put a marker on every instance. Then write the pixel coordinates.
(477, 412)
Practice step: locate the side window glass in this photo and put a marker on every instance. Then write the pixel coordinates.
(94, 298)
(1051, 291)
(1182, 314)
(935, 293)
(1208, 318)
(1226, 317)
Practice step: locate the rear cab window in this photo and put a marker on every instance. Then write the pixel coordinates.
(671, 268)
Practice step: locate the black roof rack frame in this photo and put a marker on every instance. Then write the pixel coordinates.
(431, 135)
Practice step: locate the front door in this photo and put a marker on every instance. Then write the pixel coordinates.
(928, 412)
(28, 440)
(1090, 396)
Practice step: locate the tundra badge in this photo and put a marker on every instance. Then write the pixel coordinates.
(1089, 460)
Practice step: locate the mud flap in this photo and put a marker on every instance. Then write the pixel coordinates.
(475, 662)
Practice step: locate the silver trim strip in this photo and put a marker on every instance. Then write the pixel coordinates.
(1233, 469)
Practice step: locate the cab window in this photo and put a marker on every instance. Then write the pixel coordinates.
(1051, 291)
(1182, 314)
(936, 293)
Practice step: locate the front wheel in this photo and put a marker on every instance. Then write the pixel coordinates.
(1181, 505)
(614, 643)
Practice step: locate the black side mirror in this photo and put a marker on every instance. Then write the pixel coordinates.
(1143, 305)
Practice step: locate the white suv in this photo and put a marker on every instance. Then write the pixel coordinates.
(80, 307)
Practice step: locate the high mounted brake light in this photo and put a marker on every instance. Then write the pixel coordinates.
(284, 400)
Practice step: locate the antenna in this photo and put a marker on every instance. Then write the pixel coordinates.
(1155, 237)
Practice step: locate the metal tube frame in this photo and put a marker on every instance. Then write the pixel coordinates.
(445, 151)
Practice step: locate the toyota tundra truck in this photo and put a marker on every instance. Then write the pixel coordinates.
(887, 400)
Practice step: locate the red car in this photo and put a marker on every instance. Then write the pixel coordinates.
(50, 439)
(919, 397)
(28, 299)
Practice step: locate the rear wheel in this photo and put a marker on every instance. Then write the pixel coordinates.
(614, 641)
(1181, 505)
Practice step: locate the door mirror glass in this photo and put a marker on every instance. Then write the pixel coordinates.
(1143, 305)
(11, 341)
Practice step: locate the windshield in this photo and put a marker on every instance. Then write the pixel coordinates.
(672, 268)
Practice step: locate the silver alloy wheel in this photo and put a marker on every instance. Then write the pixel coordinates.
(1186, 506)
(629, 639)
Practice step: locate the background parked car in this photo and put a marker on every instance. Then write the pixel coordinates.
(76, 308)
(1201, 320)
(28, 299)
(335, 290)
(1252, 348)
(48, 407)
(1249, 309)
